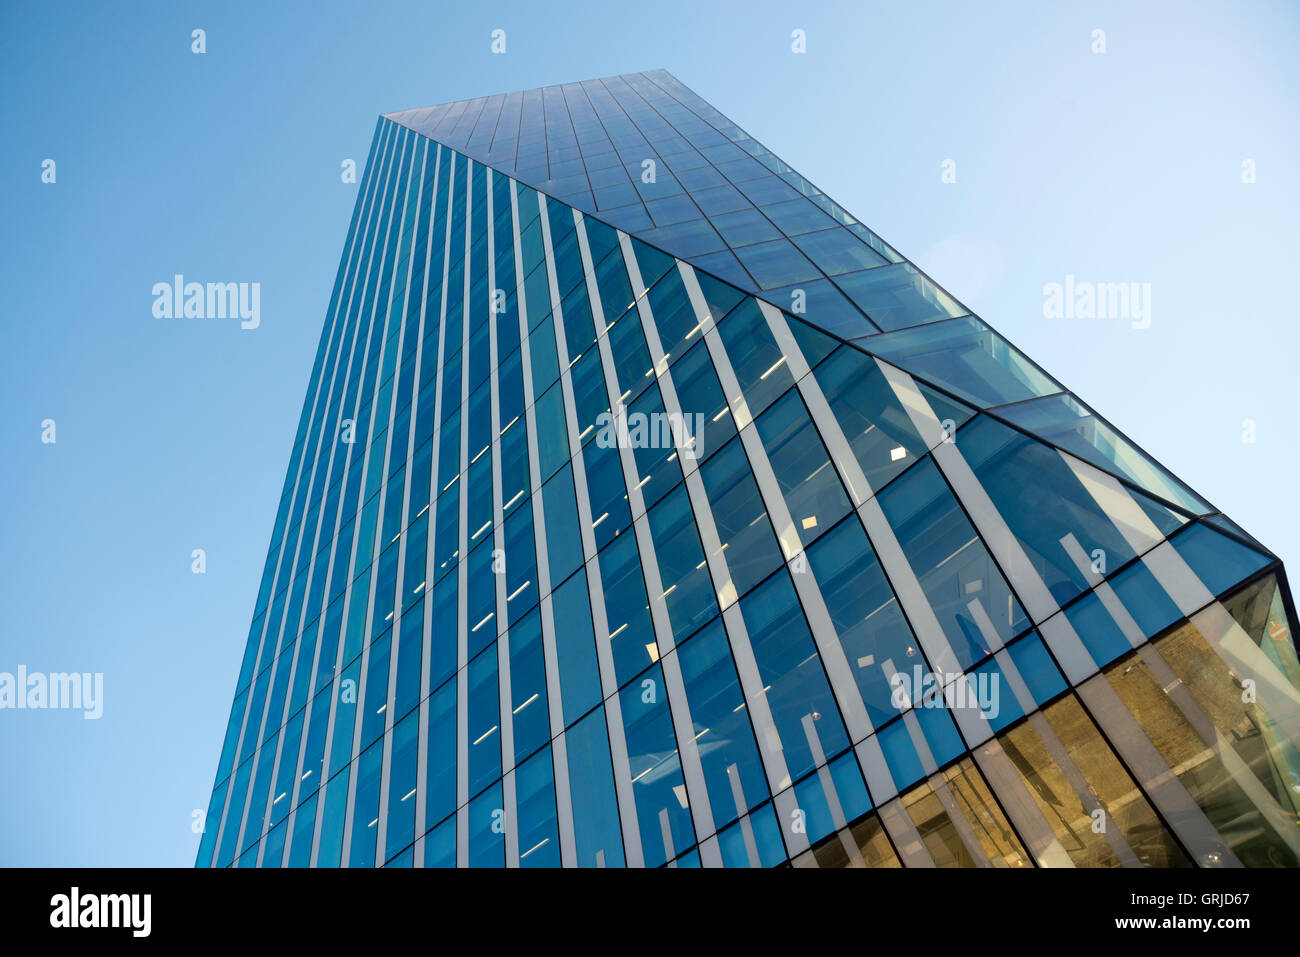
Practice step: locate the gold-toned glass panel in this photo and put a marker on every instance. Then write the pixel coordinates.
(960, 822)
(1099, 815)
(1200, 691)
(871, 841)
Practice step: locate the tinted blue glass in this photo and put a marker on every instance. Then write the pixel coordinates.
(1043, 502)
(514, 466)
(606, 489)
(232, 735)
(365, 815)
(529, 719)
(632, 364)
(1065, 421)
(816, 814)
(542, 356)
(1036, 668)
(849, 786)
(627, 609)
(900, 750)
(987, 687)
(375, 713)
(539, 838)
(749, 544)
(967, 358)
(443, 638)
(657, 785)
(818, 301)
(654, 438)
(575, 648)
(1145, 599)
(314, 752)
(441, 755)
(552, 432)
(406, 859)
(255, 711)
(776, 263)
(484, 721)
(487, 843)
(758, 362)
(234, 814)
(724, 265)
(563, 540)
(590, 394)
(951, 562)
(211, 822)
(878, 429)
(837, 251)
(346, 691)
(591, 785)
(446, 530)
(870, 625)
(729, 756)
(402, 774)
(830, 799)
(612, 281)
(674, 316)
(802, 706)
(1220, 562)
(440, 845)
(520, 562)
(745, 227)
(385, 585)
(603, 241)
(330, 851)
(755, 842)
(564, 244)
(304, 823)
(797, 216)
(939, 731)
(893, 297)
(653, 263)
(704, 409)
(1097, 629)
(803, 469)
(719, 199)
(479, 507)
(287, 770)
(260, 796)
(413, 577)
(409, 662)
(688, 589)
(480, 602)
(719, 297)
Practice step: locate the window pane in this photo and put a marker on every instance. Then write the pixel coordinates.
(663, 814)
(688, 589)
(802, 706)
(812, 490)
(871, 628)
(591, 784)
(963, 585)
(967, 358)
(748, 542)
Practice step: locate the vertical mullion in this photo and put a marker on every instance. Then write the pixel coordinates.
(554, 698)
(613, 715)
(430, 568)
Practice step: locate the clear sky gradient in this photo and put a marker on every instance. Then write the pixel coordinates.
(175, 434)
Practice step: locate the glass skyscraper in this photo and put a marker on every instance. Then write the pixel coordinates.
(647, 508)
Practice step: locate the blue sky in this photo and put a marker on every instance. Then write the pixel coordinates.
(1124, 166)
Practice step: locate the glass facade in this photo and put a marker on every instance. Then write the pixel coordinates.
(646, 509)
